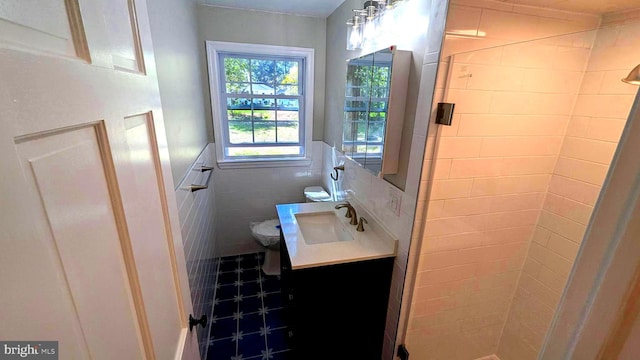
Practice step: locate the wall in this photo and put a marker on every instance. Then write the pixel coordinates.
(197, 213)
(257, 27)
(599, 115)
(370, 191)
(481, 24)
(408, 37)
(596, 312)
(485, 177)
(178, 64)
(247, 195)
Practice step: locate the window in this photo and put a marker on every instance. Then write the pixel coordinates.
(366, 103)
(262, 101)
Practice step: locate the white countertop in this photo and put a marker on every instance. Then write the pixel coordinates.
(373, 243)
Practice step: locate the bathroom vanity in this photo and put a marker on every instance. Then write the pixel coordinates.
(335, 282)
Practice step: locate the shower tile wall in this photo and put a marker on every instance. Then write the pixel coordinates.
(600, 113)
(491, 172)
(493, 169)
(501, 23)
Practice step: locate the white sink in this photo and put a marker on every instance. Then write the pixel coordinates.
(322, 227)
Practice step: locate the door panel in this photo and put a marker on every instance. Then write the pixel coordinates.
(149, 234)
(122, 29)
(49, 26)
(68, 173)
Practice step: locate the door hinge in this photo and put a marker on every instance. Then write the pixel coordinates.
(194, 322)
(444, 114)
(403, 353)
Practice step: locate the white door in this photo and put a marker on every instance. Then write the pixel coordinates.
(90, 248)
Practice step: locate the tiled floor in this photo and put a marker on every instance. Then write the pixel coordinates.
(248, 321)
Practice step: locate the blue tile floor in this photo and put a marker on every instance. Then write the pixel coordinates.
(248, 320)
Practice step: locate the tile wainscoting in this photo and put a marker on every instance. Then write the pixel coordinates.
(197, 213)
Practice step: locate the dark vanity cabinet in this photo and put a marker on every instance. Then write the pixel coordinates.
(336, 311)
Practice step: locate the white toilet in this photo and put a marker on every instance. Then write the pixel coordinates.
(316, 193)
(267, 233)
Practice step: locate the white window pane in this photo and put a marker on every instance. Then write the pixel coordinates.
(264, 132)
(236, 70)
(287, 72)
(348, 131)
(263, 72)
(287, 90)
(265, 151)
(288, 116)
(362, 131)
(264, 115)
(288, 104)
(288, 132)
(240, 132)
(378, 106)
(264, 104)
(375, 133)
(262, 89)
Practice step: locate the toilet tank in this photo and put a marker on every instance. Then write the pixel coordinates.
(316, 193)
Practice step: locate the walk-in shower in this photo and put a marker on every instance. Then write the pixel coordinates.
(512, 183)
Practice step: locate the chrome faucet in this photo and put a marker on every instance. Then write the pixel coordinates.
(351, 212)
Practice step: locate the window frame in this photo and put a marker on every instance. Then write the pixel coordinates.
(215, 68)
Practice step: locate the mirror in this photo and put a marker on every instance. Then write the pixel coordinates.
(375, 93)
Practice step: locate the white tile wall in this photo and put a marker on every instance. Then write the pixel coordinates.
(197, 213)
(500, 23)
(592, 136)
(247, 195)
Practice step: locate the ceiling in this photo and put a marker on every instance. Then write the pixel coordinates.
(316, 8)
(324, 8)
(584, 6)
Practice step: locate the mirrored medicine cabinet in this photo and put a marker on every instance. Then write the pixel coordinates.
(374, 109)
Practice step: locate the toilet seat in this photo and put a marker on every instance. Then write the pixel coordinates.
(267, 234)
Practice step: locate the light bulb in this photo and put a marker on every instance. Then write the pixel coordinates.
(355, 38)
(370, 31)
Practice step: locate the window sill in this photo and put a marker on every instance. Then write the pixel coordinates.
(267, 163)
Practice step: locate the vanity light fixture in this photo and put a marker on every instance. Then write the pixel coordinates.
(368, 23)
(634, 76)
